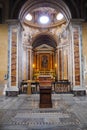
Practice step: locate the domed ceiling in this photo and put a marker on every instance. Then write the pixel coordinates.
(43, 22)
(44, 17)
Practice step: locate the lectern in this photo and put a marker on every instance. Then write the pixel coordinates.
(45, 97)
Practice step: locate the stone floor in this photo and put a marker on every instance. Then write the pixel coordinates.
(23, 113)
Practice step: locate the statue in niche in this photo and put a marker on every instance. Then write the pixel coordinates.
(44, 62)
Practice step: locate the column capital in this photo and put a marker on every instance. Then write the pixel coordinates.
(27, 47)
(13, 22)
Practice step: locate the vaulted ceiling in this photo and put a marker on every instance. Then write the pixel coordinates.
(17, 9)
(78, 8)
(44, 39)
(10, 9)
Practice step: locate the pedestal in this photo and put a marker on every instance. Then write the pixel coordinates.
(45, 97)
(79, 91)
(12, 91)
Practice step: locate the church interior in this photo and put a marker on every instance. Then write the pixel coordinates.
(43, 53)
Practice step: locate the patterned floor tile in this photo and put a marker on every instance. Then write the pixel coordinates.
(23, 113)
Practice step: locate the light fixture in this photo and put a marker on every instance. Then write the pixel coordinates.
(33, 65)
(28, 17)
(59, 16)
(55, 65)
(44, 19)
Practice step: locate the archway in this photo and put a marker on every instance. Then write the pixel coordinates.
(44, 46)
(49, 34)
(58, 34)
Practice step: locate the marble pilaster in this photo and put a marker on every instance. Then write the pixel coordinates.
(14, 57)
(76, 33)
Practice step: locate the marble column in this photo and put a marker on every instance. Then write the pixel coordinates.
(24, 63)
(57, 62)
(30, 62)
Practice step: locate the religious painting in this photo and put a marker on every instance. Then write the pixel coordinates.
(44, 62)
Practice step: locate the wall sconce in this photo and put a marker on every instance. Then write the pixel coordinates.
(33, 65)
(55, 65)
